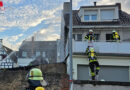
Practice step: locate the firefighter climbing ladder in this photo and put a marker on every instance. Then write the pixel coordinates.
(91, 45)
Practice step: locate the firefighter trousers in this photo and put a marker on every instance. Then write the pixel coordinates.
(94, 65)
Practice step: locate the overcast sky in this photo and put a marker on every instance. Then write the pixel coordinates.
(22, 19)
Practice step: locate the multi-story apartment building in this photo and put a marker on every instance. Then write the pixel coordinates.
(113, 57)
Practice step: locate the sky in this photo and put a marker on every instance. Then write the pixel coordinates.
(23, 19)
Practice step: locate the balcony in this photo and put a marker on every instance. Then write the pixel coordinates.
(103, 47)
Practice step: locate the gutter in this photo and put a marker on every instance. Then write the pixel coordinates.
(103, 26)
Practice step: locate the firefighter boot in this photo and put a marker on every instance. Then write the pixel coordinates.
(93, 77)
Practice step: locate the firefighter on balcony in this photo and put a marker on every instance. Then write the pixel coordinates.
(90, 36)
(115, 36)
(35, 79)
(93, 63)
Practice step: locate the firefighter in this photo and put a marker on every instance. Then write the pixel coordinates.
(90, 36)
(115, 36)
(93, 63)
(40, 88)
(88, 49)
(35, 79)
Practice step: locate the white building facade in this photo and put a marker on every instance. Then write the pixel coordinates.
(113, 57)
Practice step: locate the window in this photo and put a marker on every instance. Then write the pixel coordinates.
(118, 73)
(83, 72)
(74, 36)
(108, 37)
(44, 54)
(90, 15)
(94, 17)
(24, 54)
(50, 43)
(86, 17)
(58, 54)
(96, 36)
(38, 54)
(107, 14)
(0, 57)
(79, 37)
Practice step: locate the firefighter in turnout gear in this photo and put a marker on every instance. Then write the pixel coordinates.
(87, 50)
(115, 36)
(36, 80)
(93, 63)
(90, 36)
(40, 88)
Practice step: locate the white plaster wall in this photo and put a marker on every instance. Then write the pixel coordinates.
(126, 34)
(106, 61)
(103, 47)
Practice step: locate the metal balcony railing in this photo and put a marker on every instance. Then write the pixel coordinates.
(103, 47)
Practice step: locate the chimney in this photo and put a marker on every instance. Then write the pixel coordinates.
(32, 46)
(95, 3)
(32, 38)
(66, 7)
(119, 5)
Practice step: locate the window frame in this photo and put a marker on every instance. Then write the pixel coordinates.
(90, 14)
(43, 54)
(88, 18)
(38, 53)
(94, 15)
(107, 10)
(97, 36)
(79, 39)
(109, 40)
(24, 54)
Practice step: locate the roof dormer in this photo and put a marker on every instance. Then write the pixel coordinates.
(99, 13)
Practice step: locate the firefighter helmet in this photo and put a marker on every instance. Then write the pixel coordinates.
(92, 49)
(114, 31)
(35, 74)
(90, 30)
(39, 88)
